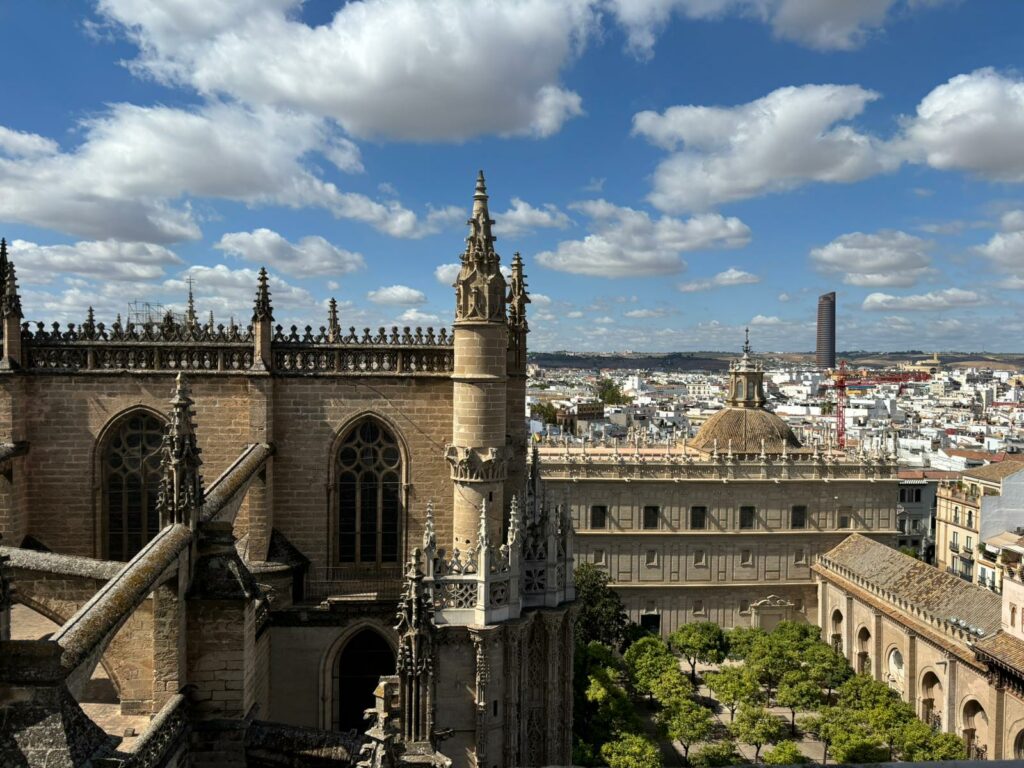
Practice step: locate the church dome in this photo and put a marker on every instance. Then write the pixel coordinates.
(742, 430)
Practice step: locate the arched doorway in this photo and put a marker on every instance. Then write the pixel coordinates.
(357, 671)
(975, 730)
(864, 651)
(837, 631)
(931, 700)
(1018, 746)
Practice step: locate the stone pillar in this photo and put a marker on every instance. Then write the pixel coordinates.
(10, 310)
(518, 430)
(260, 498)
(910, 670)
(262, 325)
(999, 722)
(169, 637)
(951, 697)
(876, 643)
(851, 654)
(478, 454)
(823, 618)
(221, 649)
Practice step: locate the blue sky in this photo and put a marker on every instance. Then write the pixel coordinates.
(671, 170)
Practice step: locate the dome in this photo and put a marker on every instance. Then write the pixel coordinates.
(746, 428)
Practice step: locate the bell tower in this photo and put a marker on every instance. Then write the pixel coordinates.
(746, 380)
(478, 454)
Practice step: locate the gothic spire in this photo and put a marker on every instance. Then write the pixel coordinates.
(3, 259)
(333, 326)
(518, 298)
(190, 313)
(480, 241)
(480, 286)
(262, 310)
(181, 487)
(10, 305)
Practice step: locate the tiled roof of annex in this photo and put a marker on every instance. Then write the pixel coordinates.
(932, 590)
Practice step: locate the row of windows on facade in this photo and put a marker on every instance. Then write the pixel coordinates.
(910, 495)
(652, 557)
(651, 619)
(699, 518)
(968, 518)
(968, 541)
(366, 489)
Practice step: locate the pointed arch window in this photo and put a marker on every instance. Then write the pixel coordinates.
(368, 472)
(131, 481)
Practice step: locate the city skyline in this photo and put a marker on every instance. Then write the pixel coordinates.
(139, 150)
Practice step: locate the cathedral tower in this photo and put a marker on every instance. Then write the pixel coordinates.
(479, 454)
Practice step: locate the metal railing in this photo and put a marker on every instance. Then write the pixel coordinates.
(353, 583)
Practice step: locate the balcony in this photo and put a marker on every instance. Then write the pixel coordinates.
(954, 547)
(952, 492)
(967, 556)
(355, 583)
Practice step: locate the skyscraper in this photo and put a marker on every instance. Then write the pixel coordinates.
(826, 355)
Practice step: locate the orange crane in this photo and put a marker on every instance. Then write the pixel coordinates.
(863, 378)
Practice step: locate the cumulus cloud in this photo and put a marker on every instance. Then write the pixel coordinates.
(415, 316)
(821, 24)
(483, 68)
(446, 273)
(731, 276)
(109, 259)
(643, 314)
(398, 295)
(791, 137)
(974, 123)
(523, 218)
(885, 259)
(310, 257)
(949, 298)
(133, 175)
(1005, 249)
(765, 320)
(20, 144)
(629, 243)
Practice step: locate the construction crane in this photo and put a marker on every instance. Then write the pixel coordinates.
(841, 381)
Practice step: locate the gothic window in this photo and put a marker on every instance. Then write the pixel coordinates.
(368, 484)
(131, 481)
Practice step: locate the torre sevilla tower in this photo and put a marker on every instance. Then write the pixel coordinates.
(826, 352)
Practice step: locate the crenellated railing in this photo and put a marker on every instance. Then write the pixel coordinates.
(174, 346)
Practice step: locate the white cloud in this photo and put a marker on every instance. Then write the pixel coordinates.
(446, 273)
(415, 316)
(784, 297)
(643, 314)
(765, 320)
(399, 295)
(540, 300)
(134, 173)
(1005, 249)
(948, 298)
(791, 137)
(731, 276)
(109, 259)
(974, 123)
(400, 69)
(629, 243)
(311, 256)
(574, 315)
(19, 144)
(888, 258)
(821, 24)
(522, 218)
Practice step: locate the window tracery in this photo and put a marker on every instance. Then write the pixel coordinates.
(131, 481)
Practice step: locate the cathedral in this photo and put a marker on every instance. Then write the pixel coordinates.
(281, 546)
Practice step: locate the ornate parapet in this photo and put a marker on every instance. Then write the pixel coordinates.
(384, 353)
(477, 465)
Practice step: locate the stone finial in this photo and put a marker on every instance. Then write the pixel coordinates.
(480, 286)
(262, 309)
(10, 305)
(190, 312)
(482, 538)
(429, 535)
(181, 487)
(518, 298)
(515, 531)
(333, 326)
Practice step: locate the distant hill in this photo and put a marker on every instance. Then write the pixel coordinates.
(719, 361)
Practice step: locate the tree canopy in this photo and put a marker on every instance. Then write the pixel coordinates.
(602, 617)
(756, 726)
(610, 393)
(631, 750)
(701, 641)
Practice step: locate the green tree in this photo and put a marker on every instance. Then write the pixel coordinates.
(699, 641)
(943, 746)
(671, 687)
(648, 659)
(827, 668)
(801, 636)
(716, 755)
(546, 413)
(888, 721)
(910, 552)
(756, 726)
(602, 617)
(688, 723)
(864, 692)
(771, 657)
(739, 641)
(631, 751)
(797, 692)
(734, 685)
(601, 705)
(610, 393)
(828, 727)
(785, 753)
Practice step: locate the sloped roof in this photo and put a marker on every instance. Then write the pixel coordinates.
(995, 472)
(932, 590)
(1002, 647)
